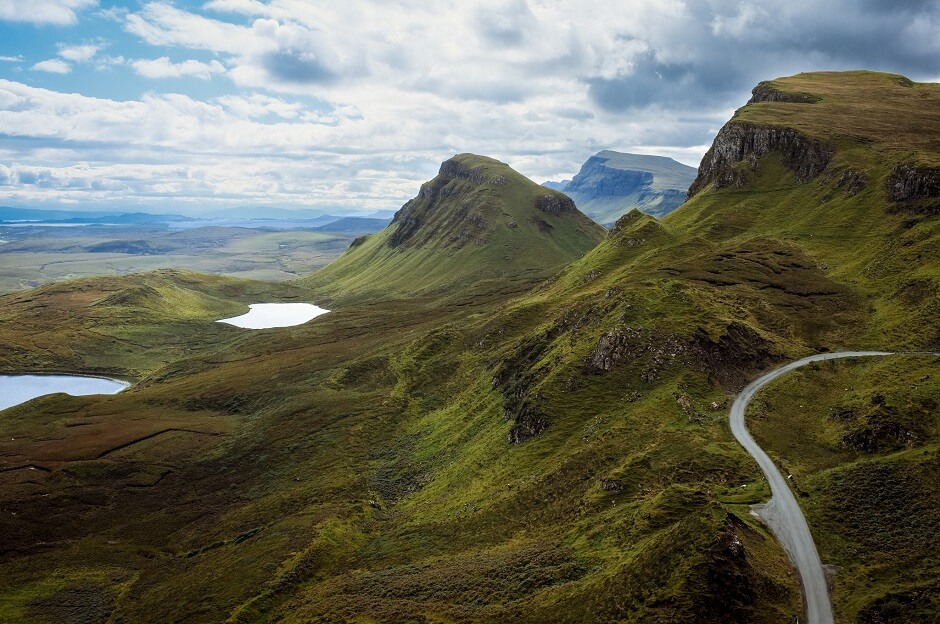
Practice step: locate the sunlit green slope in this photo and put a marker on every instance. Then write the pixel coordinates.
(556, 455)
(478, 220)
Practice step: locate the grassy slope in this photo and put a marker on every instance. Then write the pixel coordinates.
(361, 470)
(861, 439)
(488, 229)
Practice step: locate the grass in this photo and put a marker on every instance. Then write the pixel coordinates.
(861, 439)
(478, 222)
(473, 448)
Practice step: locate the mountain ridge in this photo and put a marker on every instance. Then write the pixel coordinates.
(556, 451)
(611, 183)
(467, 224)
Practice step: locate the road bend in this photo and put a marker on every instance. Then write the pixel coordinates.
(783, 514)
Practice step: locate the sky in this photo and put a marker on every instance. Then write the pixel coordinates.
(199, 106)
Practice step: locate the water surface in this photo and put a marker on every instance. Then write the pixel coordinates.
(16, 389)
(267, 315)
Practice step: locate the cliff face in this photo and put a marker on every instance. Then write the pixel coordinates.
(915, 188)
(611, 184)
(738, 146)
(597, 180)
(767, 92)
(459, 205)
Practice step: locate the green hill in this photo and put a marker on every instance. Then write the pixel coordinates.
(555, 455)
(478, 220)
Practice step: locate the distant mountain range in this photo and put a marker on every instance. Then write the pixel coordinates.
(275, 219)
(15, 215)
(610, 184)
(354, 225)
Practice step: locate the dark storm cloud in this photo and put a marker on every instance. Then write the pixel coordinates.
(297, 66)
(729, 53)
(897, 6)
(669, 85)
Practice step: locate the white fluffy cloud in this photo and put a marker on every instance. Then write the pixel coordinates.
(52, 66)
(79, 53)
(58, 12)
(352, 104)
(164, 68)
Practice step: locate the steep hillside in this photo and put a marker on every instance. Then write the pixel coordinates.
(847, 166)
(861, 440)
(477, 220)
(560, 455)
(611, 184)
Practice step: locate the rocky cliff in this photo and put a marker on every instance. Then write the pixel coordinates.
(611, 184)
(738, 146)
(915, 188)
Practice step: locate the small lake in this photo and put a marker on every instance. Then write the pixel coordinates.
(268, 315)
(16, 389)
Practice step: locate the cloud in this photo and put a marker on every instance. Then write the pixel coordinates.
(164, 68)
(710, 53)
(52, 66)
(79, 53)
(56, 12)
(317, 94)
(11, 59)
(299, 66)
(164, 24)
(256, 105)
(508, 23)
(267, 53)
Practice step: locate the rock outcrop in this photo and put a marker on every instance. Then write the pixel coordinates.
(555, 204)
(738, 147)
(767, 92)
(454, 168)
(915, 188)
(730, 360)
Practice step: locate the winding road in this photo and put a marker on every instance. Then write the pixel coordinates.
(782, 514)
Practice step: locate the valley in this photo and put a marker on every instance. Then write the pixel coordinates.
(40, 253)
(509, 413)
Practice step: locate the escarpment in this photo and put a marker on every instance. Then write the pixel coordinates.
(745, 143)
(915, 188)
(597, 180)
(611, 184)
(766, 92)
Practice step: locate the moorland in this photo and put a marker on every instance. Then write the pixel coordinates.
(510, 414)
